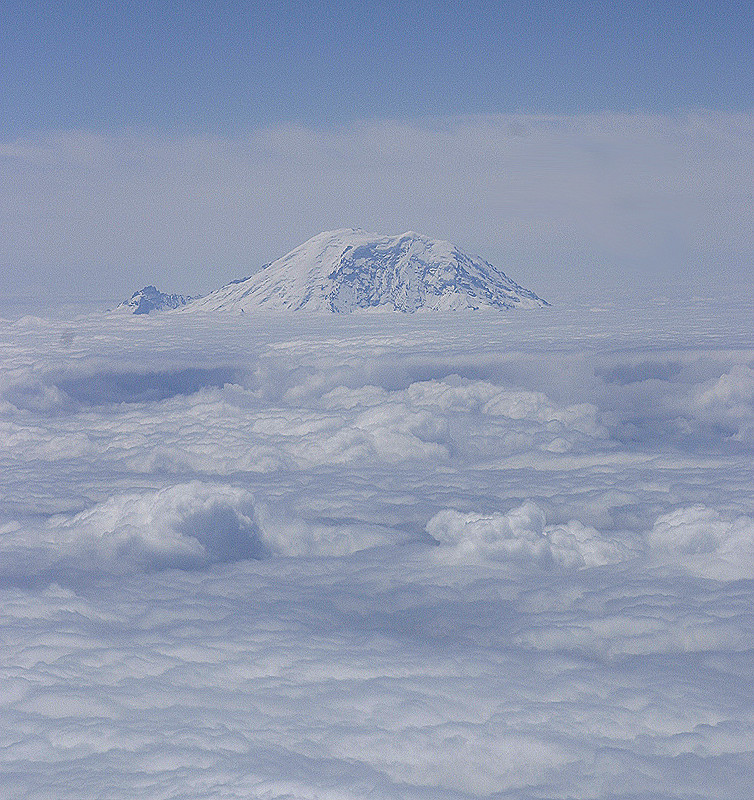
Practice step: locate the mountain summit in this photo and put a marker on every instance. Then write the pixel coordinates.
(348, 269)
(151, 299)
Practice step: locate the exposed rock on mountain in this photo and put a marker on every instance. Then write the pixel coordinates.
(150, 299)
(345, 270)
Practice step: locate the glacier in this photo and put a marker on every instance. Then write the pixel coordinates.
(349, 269)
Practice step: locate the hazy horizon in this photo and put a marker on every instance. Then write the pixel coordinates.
(187, 145)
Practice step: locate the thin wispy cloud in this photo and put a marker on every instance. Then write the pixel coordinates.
(553, 200)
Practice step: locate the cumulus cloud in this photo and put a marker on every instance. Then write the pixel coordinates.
(728, 402)
(698, 540)
(185, 526)
(522, 536)
(705, 542)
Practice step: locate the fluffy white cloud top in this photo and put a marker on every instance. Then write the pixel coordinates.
(521, 536)
(449, 556)
(183, 526)
(705, 542)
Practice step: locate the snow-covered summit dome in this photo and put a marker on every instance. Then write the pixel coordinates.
(349, 269)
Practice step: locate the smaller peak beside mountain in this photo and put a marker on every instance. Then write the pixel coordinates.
(151, 299)
(350, 269)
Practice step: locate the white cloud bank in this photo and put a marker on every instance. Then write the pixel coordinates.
(455, 557)
(561, 202)
(705, 542)
(697, 540)
(184, 526)
(521, 536)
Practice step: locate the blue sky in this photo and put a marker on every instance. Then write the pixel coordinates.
(186, 144)
(221, 66)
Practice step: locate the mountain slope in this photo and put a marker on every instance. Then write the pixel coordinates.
(345, 270)
(151, 299)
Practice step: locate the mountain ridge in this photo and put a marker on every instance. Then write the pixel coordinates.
(149, 299)
(349, 269)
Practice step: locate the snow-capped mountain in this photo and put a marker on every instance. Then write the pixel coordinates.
(348, 269)
(151, 299)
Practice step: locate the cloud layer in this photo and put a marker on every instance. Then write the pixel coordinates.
(446, 556)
